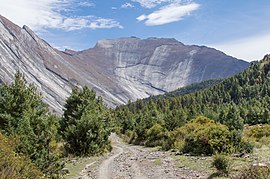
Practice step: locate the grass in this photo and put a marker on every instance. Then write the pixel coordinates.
(158, 162)
(200, 164)
(76, 165)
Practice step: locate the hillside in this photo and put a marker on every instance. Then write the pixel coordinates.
(238, 100)
(118, 70)
(186, 90)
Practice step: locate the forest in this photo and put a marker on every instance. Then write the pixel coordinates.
(233, 102)
(202, 119)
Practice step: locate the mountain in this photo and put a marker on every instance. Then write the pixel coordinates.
(243, 99)
(119, 70)
(186, 90)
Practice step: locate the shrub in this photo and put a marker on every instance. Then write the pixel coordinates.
(205, 136)
(222, 163)
(258, 131)
(255, 172)
(155, 136)
(14, 165)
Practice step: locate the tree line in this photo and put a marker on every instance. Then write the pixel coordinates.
(232, 103)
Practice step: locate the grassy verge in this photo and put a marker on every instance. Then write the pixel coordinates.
(76, 165)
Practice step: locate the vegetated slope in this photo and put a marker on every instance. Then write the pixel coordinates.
(186, 90)
(238, 100)
(118, 70)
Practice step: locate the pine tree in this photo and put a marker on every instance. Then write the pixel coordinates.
(84, 125)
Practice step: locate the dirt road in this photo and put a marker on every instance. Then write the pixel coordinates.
(136, 162)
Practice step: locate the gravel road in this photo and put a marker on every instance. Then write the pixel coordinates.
(136, 162)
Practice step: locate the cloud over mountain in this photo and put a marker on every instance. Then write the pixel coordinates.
(42, 14)
(171, 13)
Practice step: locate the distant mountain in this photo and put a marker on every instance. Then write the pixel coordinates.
(119, 70)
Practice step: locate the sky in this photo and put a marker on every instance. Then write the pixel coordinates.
(239, 28)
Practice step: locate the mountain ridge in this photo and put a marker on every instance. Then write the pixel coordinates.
(119, 70)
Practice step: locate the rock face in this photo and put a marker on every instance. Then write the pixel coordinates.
(119, 70)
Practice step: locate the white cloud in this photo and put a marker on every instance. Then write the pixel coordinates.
(91, 22)
(127, 5)
(86, 4)
(142, 17)
(250, 48)
(153, 3)
(42, 14)
(167, 14)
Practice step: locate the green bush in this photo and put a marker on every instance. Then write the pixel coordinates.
(155, 136)
(14, 165)
(222, 163)
(258, 131)
(255, 172)
(205, 136)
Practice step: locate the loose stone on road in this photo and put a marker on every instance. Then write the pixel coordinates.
(137, 162)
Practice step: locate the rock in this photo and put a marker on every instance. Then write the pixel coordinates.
(178, 153)
(118, 70)
(64, 171)
(259, 165)
(73, 161)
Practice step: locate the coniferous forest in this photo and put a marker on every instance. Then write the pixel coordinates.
(202, 119)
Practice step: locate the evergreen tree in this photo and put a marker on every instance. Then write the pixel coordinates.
(85, 123)
(23, 114)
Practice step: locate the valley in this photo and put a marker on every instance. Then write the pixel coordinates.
(130, 108)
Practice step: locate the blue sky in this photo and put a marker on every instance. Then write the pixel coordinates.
(238, 27)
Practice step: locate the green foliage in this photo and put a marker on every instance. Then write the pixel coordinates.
(85, 124)
(13, 164)
(15, 100)
(256, 172)
(222, 163)
(23, 114)
(202, 136)
(75, 106)
(238, 100)
(186, 90)
(258, 131)
(155, 136)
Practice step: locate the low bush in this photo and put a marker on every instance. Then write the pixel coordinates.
(205, 136)
(222, 163)
(155, 136)
(256, 171)
(258, 131)
(14, 165)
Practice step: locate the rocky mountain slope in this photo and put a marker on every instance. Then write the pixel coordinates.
(119, 70)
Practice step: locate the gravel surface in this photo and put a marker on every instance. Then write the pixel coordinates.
(136, 162)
